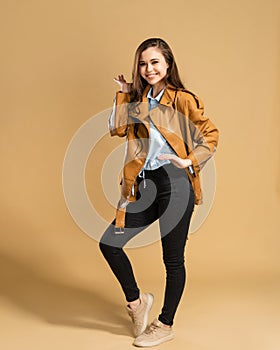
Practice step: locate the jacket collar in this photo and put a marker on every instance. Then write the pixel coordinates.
(167, 98)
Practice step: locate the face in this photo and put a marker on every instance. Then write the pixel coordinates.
(152, 66)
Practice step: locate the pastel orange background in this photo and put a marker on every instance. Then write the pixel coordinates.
(58, 63)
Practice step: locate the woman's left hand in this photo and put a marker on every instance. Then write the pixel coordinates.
(178, 162)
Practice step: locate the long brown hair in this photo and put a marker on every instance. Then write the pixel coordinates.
(138, 83)
(172, 77)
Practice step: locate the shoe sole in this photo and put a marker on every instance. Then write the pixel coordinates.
(144, 344)
(149, 306)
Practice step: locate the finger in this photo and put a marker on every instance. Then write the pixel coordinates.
(117, 81)
(165, 156)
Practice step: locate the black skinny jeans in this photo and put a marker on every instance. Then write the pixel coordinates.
(168, 196)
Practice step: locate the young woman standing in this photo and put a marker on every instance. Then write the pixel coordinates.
(168, 141)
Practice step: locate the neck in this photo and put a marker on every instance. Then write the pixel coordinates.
(157, 88)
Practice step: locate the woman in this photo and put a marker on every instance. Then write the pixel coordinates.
(168, 140)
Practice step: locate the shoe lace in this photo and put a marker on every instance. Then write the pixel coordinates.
(152, 329)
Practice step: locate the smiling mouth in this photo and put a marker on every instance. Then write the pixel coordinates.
(151, 75)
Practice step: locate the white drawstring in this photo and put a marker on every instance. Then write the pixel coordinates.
(142, 175)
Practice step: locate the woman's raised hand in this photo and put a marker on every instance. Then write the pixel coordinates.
(178, 162)
(124, 86)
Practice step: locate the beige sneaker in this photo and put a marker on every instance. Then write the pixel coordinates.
(140, 315)
(155, 334)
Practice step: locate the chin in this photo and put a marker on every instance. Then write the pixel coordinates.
(154, 82)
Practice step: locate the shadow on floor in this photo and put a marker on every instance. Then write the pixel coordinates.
(59, 304)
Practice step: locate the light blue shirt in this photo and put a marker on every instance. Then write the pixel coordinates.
(157, 143)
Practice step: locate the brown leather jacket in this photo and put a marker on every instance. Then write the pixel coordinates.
(180, 119)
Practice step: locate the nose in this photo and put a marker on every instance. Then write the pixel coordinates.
(149, 67)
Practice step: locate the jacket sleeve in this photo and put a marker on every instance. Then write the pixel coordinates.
(205, 135)
(119, 115)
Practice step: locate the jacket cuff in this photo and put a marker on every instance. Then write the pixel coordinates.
(122, 97)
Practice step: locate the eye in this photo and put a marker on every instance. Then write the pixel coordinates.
(141, 64)
(155, 62)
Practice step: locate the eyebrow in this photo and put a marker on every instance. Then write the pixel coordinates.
(152, 59)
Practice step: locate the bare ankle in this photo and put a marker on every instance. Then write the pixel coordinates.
(134, 304)
(166, 326)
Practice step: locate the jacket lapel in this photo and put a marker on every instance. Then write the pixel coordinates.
(166, 119)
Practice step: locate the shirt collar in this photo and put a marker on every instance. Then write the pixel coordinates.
(167, 98)
(158, 97)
